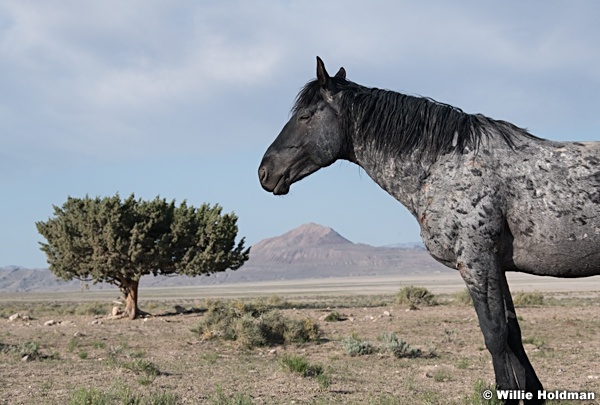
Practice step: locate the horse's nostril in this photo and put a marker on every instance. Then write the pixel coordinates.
(262, 174)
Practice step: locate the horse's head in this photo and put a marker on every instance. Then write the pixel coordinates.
(311, 139)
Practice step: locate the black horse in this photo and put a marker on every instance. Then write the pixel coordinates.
(489, 196)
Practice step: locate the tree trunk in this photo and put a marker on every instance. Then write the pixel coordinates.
(130, 293)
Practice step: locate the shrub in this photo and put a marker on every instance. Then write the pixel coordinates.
(521, 298)
(27, 351)
(463, 297)
(277, 302)
(90, 396)
(72, 345)
(301, 366)
(333, 317)
(254, 325)
(415, 296)
(398, 347)
(390, 343)
(463, 364)
(357, 347)
(140, 366)
(31, 349)
(302, 331)
(92, 308)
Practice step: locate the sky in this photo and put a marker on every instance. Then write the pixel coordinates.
(181, 99)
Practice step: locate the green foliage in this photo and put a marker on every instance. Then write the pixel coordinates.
(219, 398)
(537, 342)
(72, 345)
(27, 350)
(301, 331)
(276, 301)
(254, 324)
(107, 239)
(141, 366)
(300, 365)
(463, 364)
(119, 241)
(357, 347)
(354, 346)
(145, 370)
(522, 298)
(90, 396)
(442, 375)
(30, 349)
(415, 296)
(121, 394)
(398, 347)
(333, 317)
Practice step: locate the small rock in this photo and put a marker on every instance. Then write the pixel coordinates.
(273, 351)
(386, 313)
(14, 317)
(78, 334)
(26, 358)
(96, 322)
(51, 322)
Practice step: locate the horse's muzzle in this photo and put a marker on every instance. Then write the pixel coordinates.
(276, 184)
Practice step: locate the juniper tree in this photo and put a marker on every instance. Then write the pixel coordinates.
(119, 241)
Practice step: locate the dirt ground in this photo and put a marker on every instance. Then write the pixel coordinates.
(161, 354)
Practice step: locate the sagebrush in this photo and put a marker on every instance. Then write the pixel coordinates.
(415, 296)
(253, 325)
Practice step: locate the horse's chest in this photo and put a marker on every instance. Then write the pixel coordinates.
(451, 212)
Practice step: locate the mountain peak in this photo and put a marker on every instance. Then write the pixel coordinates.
(310, 234)
(315, 234)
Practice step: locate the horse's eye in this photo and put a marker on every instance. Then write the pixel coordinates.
(304, 117)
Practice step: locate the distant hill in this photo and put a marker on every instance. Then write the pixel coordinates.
(309, 251)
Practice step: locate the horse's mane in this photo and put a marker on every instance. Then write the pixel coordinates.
(400, 123)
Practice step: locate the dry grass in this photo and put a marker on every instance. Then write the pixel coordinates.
(160, 360)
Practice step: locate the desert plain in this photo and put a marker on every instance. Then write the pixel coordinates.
(65, 349)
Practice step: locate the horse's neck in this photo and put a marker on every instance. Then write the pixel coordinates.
(401, 177)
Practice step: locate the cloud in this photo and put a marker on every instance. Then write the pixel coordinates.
(93, 75)
(131, 54)
(160, 77)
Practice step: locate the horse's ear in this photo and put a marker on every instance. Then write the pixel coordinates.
(341, 74)
(322, 74)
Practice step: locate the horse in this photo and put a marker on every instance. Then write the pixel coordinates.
(489, 196)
